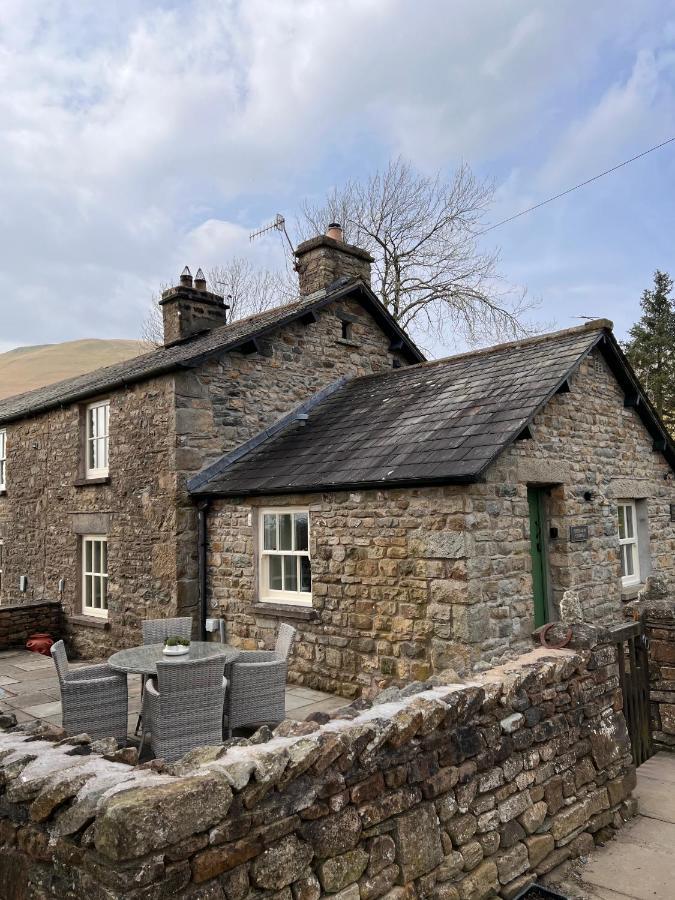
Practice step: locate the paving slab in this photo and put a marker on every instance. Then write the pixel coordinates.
(32, 691)
(640, 862)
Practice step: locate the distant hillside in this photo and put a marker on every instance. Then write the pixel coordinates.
(30, 367)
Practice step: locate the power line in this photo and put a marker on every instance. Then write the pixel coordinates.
(576, 186)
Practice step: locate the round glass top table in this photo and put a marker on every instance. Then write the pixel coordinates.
(143, 660)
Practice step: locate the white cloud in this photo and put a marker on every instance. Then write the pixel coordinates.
(138, 136)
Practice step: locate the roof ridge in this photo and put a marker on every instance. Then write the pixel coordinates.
(593, 325)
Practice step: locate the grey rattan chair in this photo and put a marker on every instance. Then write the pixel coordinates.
(94, 699)
(257, 684)
(185, 706)
(156, 631)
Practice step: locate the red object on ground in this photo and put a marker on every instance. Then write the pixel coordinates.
(40, 643)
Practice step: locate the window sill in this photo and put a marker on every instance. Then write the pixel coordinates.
(286, 610)
(90, 622)
(87, 482)
(3, 492)
(630, 593)
(348, 343)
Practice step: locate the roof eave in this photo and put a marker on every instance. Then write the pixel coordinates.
(472, 478)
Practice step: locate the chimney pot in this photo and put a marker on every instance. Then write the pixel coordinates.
(334, 231)
(200, 280)
(186, 277)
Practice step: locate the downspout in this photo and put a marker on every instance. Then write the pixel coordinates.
(202, 537)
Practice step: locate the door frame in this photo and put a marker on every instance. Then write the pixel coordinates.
(541, 576)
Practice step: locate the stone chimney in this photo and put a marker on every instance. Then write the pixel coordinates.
(321, 260)
(190, 309)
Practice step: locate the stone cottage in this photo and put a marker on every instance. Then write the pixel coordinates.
(307, 465)
(431, 516)
(94, 507)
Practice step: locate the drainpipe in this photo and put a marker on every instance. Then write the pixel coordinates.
(202, 516)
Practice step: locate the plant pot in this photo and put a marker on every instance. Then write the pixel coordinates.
(539, 892)
(180, 650)
(40, 643)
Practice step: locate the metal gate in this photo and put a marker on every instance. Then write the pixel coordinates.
(632, 645)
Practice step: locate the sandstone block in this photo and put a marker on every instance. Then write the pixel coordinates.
(538, 847)
(236, 885)
(373, 886)
(514, 806)
(334, 834)
(512, 862)
(533, 817)
(619, 788)
(481, 883)
(609, 739)
(135, 822)
(338, 872)
(472, 854)
(282, 863)
(462, 828)
(418, 842)
(382, 854)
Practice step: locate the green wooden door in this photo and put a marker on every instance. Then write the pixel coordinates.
(538, 550)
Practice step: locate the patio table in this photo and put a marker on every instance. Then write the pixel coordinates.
(143, 660)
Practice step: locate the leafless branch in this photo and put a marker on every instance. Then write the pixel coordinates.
(429, 268)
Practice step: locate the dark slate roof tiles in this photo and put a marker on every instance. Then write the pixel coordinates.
(435, 422)
(166, 359)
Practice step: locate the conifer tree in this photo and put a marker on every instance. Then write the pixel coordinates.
(651, 348)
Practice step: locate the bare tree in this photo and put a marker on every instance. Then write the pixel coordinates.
(423, 233)
(247, 291)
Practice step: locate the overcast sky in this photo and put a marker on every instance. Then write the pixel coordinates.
(138, 136)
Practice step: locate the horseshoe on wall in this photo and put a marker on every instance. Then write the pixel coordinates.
(558, 646)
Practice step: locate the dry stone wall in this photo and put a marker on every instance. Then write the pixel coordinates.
(442, 790)
(18, 621)
(657, 614)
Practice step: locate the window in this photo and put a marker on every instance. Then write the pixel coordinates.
(98, 417)
(628, 543)
(285, 573)
(95, 575)
(3, 460)
(346, 330)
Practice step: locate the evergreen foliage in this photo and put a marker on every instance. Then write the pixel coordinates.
(651, 348)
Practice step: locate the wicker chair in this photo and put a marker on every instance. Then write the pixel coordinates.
(94, 699)
(156, 631)
(186, 706)
(257, 691)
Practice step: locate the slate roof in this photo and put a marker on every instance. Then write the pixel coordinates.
(437, 422)
(190, 352)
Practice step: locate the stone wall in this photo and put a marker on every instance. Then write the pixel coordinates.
(18, 621)
(161, 432)
(444, 791)
(659, 624)
(47, 508)
(233, 397)
(410, 581)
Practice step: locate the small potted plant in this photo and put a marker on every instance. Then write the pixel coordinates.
(176, 646)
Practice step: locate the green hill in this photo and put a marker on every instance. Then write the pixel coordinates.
(26, 368)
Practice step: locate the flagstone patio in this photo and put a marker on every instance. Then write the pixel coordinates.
(30, 689)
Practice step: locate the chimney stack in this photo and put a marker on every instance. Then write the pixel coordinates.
(321, 260)
(188, 310)
(200, 280)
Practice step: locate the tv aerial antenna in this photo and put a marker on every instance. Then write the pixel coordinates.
(278, 224)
